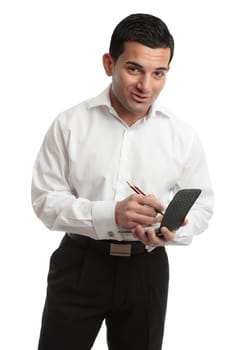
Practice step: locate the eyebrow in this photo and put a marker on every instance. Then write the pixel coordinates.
(141, 67)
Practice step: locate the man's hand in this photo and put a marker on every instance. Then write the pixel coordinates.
(137, 210)
(150, 238)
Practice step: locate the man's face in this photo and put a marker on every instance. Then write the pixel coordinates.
(138, 76)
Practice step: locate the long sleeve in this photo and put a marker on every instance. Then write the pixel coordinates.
(54, 199)
(195, 174)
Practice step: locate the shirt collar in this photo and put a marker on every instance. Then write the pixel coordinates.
(103, 99)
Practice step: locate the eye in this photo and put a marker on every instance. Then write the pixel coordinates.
(159, 74)
(133, 69)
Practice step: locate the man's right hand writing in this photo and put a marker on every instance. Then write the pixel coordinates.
(137, 210)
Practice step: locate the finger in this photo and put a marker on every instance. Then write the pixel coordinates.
(159, 218)
(167, 234)
(139, 233)
(138, 204)
(153, 239)
(144, 220)
(146, 210)
(185, 222)
(151, 201)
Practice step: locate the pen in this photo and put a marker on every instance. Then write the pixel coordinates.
(139, 191)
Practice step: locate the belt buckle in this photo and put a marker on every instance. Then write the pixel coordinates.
(120, 249)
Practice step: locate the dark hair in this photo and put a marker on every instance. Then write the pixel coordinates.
(145, 29)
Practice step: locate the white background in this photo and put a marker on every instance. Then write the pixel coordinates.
(51, 59)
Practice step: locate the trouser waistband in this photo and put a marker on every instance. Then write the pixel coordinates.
(111, 247)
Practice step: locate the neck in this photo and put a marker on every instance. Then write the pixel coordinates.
(128, 117)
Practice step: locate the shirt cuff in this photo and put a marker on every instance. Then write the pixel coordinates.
(103, 215)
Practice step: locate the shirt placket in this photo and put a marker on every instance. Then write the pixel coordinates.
(124, 168)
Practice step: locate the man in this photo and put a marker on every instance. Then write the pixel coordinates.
(108, 266)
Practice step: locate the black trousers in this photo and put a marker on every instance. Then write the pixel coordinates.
(87, 286)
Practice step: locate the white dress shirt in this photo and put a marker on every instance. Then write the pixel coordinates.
(89, 154)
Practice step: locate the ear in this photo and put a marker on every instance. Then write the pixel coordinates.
(108, 64)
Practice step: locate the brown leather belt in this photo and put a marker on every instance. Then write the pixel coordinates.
(110, 247)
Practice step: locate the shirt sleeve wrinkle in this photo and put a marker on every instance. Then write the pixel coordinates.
(53, 199)
(196, 175)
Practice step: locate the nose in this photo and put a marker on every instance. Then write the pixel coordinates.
(144, 84)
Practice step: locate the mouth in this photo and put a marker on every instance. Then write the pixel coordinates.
(140, 98)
